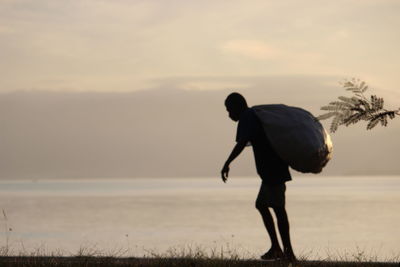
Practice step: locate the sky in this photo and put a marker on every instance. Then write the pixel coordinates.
(95, 88)
(128, 45)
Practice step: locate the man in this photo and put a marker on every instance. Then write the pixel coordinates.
(273, 171)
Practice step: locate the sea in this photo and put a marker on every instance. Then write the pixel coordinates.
(354, 217)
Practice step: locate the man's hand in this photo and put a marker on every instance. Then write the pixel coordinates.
(225, 173)
(235, 152)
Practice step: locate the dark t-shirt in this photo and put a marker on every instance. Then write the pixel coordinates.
(271, 168)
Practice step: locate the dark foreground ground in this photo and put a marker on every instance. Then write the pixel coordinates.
(111, 261)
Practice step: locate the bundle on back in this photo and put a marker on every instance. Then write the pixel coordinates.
(297, 136)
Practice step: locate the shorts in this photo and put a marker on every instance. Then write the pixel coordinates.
(271, 195)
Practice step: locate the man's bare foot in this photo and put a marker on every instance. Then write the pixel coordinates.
(289, 255)
(273, 254)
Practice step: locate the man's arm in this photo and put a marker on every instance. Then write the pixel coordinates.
(235, 152)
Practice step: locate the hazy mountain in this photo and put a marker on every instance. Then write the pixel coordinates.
(164, 132)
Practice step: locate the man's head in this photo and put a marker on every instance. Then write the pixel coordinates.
(235, 104)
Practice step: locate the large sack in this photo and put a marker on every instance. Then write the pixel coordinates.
(297, 136)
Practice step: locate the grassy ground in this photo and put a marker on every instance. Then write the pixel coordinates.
(185, 256)
(181, 256)
(27, 261)
(190, 255)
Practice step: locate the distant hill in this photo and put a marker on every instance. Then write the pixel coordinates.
(165, 132)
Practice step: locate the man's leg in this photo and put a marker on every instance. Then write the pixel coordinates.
(283, 225)
(269, 225)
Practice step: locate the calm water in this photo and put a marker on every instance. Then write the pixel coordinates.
(328, 215)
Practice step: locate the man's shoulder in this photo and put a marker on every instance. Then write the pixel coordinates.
(248, 114)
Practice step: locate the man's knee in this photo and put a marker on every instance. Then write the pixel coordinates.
(280, 212)
(261, 206)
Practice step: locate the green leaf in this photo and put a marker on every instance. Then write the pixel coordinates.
(372, 124)
(350, 110)
(383, 120)
(342, 105)
(327, 115)
(381, 101)
(355, 118)
(361, 86)
(354, 89)
(349, 100)
(334, 108)
(335, 124)
(348, 84)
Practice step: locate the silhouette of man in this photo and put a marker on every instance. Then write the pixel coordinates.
(273, 171)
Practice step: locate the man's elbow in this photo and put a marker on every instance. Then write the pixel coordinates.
(241, 144)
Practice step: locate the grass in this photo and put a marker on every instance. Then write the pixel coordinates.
(27, 261)
(183, 256)
(190, 255)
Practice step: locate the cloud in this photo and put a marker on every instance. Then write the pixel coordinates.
(339, 35)
(6, 30)
(251, 48)
(256, 49)
(283, 57)
(100, 45)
